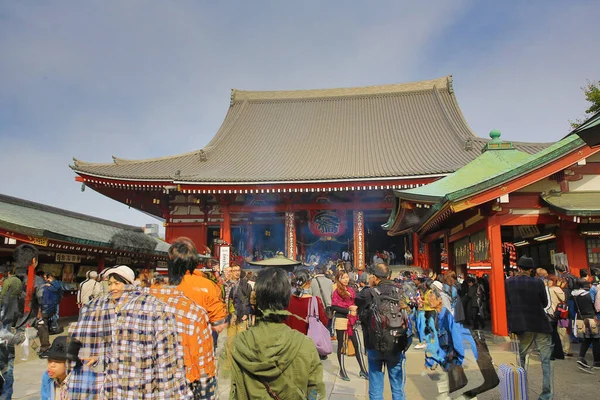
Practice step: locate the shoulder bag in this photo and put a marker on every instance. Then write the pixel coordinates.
(316, 330)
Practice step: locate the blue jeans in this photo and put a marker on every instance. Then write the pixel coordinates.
(543, 342)
(396, 374)
(7, 373)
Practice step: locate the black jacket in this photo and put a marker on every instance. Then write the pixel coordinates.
(240, 295)
(525, 302)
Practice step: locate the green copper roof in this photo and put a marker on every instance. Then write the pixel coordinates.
(589, 131)
(491, 169)
(497, 157)
(582, 204)
(488, 170)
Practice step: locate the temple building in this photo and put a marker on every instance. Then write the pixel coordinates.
(303, 172)
(506, 203)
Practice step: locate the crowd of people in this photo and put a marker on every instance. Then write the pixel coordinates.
(151, 336)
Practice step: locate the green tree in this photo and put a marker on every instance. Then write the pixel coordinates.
(592, 94)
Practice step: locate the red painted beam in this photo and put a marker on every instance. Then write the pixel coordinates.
(230, 189)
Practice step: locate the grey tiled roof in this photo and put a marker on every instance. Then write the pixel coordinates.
(388, 131)
(30, 218)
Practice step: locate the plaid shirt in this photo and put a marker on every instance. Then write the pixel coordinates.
(194, 330)
(137, 346)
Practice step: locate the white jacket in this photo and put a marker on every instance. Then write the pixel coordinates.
(88, 290)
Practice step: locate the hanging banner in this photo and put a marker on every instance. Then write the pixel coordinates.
(225, 252)
(327, 222)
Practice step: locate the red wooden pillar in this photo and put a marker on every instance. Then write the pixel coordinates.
(29, 290)
(449, 252)
(226, 225)
(415, 250)
(249, 239)
(497, 291)
(426, 256)
(101, 263)
(359, 238)
(290, 234)
(568, 241)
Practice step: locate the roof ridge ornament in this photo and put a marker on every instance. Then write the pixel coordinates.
(496, 143)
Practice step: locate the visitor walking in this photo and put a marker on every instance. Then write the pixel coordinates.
(130, 341)
(193, 325)
(525, 303)
(89, 289)
(300, 302)
(393, 360)
(557, 296)
(271, 360)
(586, 326)
(322, 287)
(346, 316)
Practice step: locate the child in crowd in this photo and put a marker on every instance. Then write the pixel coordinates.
(55, 380)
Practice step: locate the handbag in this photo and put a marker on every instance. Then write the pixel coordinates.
(591, 325)
(350, 351)
(562, 310)
(328, 310)
(316, 330)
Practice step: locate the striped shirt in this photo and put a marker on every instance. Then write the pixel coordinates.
(136, 343)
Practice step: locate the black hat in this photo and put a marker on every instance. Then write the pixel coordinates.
(525, 262)
(63, 348)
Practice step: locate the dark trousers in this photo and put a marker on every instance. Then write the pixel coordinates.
(476, 318)
(557, 353)
(585, 345)
(43, 332)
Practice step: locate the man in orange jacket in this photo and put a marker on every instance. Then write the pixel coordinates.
(196, 286)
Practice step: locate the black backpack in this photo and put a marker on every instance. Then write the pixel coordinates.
(388, 322)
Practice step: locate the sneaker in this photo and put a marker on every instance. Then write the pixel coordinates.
(421, 346)
(597, 365)
(568, 354)
(583, 365)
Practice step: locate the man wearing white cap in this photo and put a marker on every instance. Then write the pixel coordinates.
(130, 343)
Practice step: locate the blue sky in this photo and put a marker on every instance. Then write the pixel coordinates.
(140, 79)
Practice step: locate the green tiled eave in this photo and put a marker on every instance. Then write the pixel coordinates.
(491, 169)
(544, 157)
(581, 204)
(489, 164)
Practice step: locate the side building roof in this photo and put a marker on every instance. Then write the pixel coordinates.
(498, 163)
(35, 219)
(388, 131)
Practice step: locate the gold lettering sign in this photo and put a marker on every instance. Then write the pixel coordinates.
(40, 241)
(123, 261)
(68, 258)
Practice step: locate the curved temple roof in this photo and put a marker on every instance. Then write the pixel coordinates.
(389, 131)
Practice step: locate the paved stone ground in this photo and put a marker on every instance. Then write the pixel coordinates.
(420, 383)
